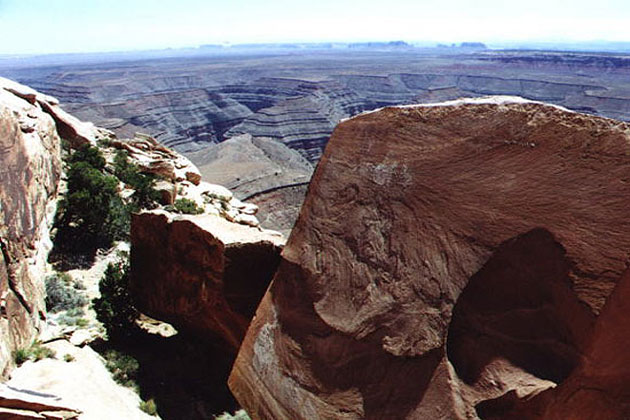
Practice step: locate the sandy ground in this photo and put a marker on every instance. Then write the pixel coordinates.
(83, 384)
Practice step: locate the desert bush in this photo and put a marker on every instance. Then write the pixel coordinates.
(149, 407)
(90, 155)
(62, 293)
(115, 309)
(35, 352)
(145, 194)
(123, 367)
(91, 215)
(20, 356)
(187, 206)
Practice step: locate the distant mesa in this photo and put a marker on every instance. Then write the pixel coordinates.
(468, 45)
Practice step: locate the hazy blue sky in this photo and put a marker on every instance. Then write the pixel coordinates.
(40, 26)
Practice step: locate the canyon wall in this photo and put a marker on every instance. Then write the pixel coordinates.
(203, 274)
(449, 262)
(30, 168)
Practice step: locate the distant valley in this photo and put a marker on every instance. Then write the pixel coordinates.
(297, 96)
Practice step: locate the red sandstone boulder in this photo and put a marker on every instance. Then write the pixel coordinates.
(449, 262)
(201, 273)
(70, 128)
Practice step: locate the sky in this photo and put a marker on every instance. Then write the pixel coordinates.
(56, 26)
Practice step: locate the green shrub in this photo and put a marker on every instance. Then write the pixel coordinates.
(35, 352)
(62, 294)
(68, 358)
(115, 309)
(90, 155)
(124, 368)
(149, 407)
(20, 356)
(187, 206)
(91, 214)
(39, 352)
(82, 323)
(145, 194)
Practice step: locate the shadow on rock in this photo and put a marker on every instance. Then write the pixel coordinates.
(185, 375)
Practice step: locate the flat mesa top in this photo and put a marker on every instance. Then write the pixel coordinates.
(226, 231)
(483, 100)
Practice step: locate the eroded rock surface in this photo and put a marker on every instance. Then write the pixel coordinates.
(449, 262)
(262, 171)
(30, 168)
(201, 273)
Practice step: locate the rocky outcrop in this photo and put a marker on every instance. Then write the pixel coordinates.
(30, 168)
(154, 158)
(449, 262)
(68, 127)
(83, 385)
(203, 274)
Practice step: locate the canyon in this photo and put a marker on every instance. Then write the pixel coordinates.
(194, 101)
(453, 260)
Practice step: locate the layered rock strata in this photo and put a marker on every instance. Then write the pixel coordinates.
(203, 274)
(449, 262)
(261, 171)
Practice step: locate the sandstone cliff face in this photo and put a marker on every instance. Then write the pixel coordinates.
(30, 168)
(203, 274)
(449, 261)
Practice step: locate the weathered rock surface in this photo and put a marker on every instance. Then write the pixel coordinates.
(201, 273)
(30, 169)
(83, 384)
(21, 404)
(449, 262)
(68, 127)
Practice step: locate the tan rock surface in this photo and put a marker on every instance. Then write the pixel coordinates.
(448, 259)
(84, 384)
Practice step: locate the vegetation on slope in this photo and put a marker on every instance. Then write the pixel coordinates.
(115, 308)
(92, 214)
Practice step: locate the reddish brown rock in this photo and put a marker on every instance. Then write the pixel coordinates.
(30, 168)
(449, 261)
(68, 127)
(23, 404)
(201, 273)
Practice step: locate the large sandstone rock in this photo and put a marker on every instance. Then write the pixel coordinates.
(30, 168)
(201, 273)
(69, 127)
(449, 262)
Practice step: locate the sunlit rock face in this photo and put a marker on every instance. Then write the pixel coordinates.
(30, 168)
(450, 261)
